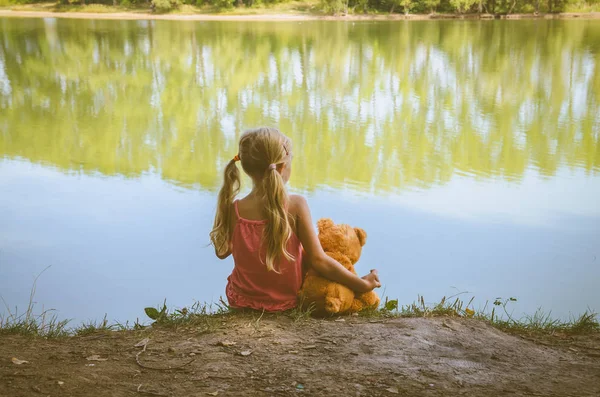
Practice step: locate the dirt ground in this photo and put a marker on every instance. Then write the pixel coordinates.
(274, 356)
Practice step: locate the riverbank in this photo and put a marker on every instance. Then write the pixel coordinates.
(254, 355)
(298, 11)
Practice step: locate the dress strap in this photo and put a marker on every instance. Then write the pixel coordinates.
(237, 211)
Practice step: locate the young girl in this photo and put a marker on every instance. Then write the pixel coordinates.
(267, 230)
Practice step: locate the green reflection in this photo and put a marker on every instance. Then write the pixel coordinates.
(370, 106)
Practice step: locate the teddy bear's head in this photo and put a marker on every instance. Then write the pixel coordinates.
(343, 239)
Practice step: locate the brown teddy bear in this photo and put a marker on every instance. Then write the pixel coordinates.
(344, 244)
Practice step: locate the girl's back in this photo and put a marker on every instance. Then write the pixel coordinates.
(251, 284)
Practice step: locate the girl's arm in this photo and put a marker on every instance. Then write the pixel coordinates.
(226, 254)
(326, 266)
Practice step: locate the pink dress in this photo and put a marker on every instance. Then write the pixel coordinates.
(251, 285)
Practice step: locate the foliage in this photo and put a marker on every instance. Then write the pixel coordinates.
(165, 5)
(430, 5)
(342, 7)
(406, 5)
(462, 6)
(539, 322)
(335, 7)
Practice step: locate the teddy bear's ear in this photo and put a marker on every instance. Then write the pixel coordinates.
(362, 235)
(324, 224)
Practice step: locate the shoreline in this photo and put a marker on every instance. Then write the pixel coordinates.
(264, 355)
(293, 16)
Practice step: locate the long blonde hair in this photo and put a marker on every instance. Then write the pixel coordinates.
(260, 151)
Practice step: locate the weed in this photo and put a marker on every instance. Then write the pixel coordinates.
(28, 323)
(301, 312)
(453, 306)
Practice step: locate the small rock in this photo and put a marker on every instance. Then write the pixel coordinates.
(60, 383)
(293, 352)
(340, 320)
(226, 343)
(245, 353)
(171, 350)
(95, 357)
(142, 343)
(310, 347)
(192, 354)
(393, 390)
(431, 385)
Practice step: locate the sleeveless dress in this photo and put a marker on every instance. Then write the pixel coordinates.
(250, 284)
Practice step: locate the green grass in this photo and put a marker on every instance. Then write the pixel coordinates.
(29, 323)
(206, 318)
(499, 316)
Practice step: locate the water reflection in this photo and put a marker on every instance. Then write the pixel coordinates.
(374, 107)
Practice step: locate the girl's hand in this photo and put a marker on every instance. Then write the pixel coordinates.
(371, 280)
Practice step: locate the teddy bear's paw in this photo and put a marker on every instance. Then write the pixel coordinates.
(333, 305)
(357, 306)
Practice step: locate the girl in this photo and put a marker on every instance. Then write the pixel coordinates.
(267, 230)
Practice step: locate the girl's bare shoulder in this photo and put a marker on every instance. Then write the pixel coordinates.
(297, 204)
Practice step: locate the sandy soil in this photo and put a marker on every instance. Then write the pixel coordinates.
(275, 356)
(277, 17)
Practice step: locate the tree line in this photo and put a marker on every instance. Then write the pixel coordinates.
(497, 7)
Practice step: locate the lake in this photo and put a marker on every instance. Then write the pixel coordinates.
(468, 150)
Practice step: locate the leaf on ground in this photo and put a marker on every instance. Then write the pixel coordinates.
(142, 343)
(340, 320)
(391, 305)
(293, 352)
(152, 313)
(310, 347)
(95, 357)
(226, 343)
(213, 393)
(393, 390)
(60, 382)
(19, 362)
(245, 352)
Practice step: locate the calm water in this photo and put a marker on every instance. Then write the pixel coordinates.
(469, 151)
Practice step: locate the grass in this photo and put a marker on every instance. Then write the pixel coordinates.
(45, 324)
(206, 318)
(540, 322)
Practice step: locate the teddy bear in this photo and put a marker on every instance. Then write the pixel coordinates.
(344, 244)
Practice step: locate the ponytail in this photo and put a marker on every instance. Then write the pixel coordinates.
(260, 151)
(277, 230)
(220, 236)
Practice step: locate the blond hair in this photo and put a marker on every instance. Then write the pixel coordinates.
(260, 151)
